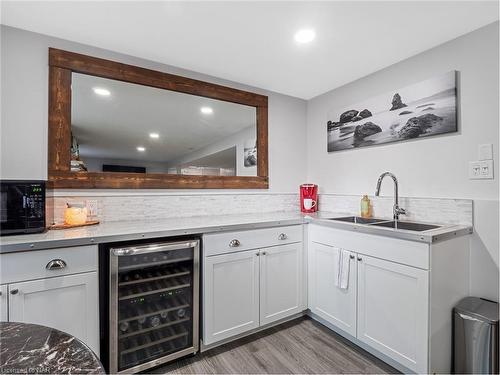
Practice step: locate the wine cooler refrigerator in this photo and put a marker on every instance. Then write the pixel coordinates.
(153, 312)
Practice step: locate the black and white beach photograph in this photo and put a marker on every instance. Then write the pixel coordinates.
(417, 111)
(250, 154)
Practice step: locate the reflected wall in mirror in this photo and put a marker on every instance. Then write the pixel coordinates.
(113, 125)
(124, 127)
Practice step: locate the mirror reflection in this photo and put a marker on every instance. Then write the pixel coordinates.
(123, 127)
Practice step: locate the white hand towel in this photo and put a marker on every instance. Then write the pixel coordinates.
(344, 270)
(341, 261)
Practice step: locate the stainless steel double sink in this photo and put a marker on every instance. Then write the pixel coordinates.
(404, 225)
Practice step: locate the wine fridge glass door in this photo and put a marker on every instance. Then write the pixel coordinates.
(154, 302)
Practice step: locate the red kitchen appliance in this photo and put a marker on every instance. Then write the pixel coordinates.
(308, 198)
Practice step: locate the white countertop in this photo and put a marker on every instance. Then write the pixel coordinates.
(130, 230)
(133, 230)
(444, 232)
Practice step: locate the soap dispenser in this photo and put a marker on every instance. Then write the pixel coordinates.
(365, 206)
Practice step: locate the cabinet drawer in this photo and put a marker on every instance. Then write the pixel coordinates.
(30, 265)
(228, 242)
(411, 253)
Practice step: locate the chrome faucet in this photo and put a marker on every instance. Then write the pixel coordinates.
(396, 209)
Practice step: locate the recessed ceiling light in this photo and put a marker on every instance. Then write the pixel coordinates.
(141, 149)
(304, 36)
(154, 135)
(206, 110)
(101, 91)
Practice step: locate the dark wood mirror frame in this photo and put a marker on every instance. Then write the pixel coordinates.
(62, 64)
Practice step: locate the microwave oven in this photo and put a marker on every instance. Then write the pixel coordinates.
(22, 207)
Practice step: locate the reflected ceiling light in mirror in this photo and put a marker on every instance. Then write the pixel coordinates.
(206, 110)
(101, 91)
(305, 36)
(141, 149)
(154, 135)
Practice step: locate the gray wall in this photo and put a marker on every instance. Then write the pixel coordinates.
(432, 167)
(24, 104)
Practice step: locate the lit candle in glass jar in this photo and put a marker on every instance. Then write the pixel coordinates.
(75, 214)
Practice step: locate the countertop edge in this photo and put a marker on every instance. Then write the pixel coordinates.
(431, 236)
(95, 240)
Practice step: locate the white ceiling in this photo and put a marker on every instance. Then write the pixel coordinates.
(252, 42)
(112, 127)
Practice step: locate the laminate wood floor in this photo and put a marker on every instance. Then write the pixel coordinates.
(301, 346)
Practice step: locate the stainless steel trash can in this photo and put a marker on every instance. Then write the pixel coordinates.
(475, 336)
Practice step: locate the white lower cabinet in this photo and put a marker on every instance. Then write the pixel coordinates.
(57, 288)
(68, 303)
(393, 310)
(230, 295)
(337, 306)
(250, 287)
(280, 282)
(385, 305)
(400, 295)
(3, 303)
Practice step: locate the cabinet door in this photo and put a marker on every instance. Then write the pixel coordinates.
(280, 282)
(393, 310)
(68, 303)
(3, 303)
(230, 295)
(337, 306)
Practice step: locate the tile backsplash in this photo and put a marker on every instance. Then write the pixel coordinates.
(433, 210)
(152, 207)
(158, 206)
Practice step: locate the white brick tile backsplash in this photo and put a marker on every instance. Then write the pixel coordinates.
(151, 207)
(133, 207)
(435, 210)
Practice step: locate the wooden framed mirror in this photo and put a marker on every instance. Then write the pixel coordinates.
(113, 125)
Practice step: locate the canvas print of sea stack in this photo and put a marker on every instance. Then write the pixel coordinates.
(417, 111)
(250, 153)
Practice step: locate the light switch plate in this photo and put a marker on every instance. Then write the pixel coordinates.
(481, 170)
(485, 152)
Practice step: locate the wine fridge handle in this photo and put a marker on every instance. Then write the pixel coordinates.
(153, 248)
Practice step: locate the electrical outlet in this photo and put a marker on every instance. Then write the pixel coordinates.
(474, 170)
(487, 169)
(481, 170)
(91, 207)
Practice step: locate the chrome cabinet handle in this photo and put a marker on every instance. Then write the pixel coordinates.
(258, 254)
(282, 236)
(351, 256)
(360, 259)
(264, 253)
(234, 243)
(56, 264)
(14, 291)
(153, 248)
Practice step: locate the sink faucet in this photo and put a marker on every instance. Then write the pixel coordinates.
(396, 209)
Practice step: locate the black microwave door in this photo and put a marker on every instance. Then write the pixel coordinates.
(35, 207)
(13, 213)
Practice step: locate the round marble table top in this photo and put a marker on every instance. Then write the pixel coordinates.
(35, 349)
